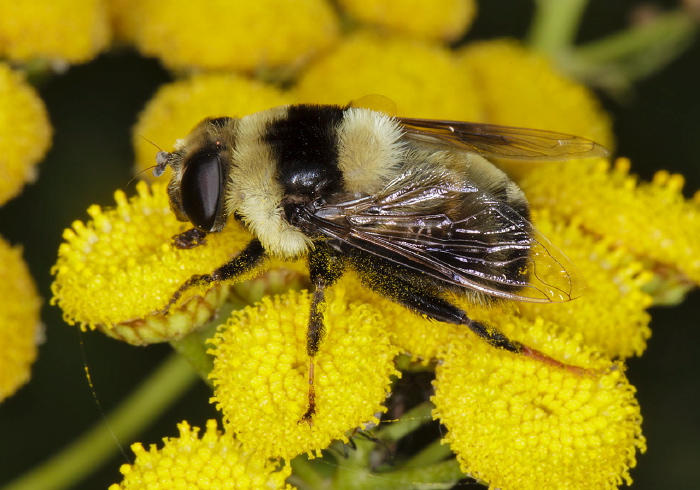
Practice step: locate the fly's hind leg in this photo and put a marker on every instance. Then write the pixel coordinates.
(423, 300)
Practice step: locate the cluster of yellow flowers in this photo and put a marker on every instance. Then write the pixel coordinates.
(513, 422)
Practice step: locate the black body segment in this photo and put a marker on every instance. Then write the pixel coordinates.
(305, 145)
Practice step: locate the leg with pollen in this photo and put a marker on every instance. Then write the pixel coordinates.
(325, 268)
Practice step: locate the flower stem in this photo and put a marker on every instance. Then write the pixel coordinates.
(84, 455)
(304, 474)
(193, 347)
(555, 24)
(436, 451)
(194, 350)
(439, 475)
(637, 51)
(409, 422)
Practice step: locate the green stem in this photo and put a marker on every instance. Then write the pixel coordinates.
(554, 27)
(409, 422)
(194, 349)
(194, 346)
(84, 455)
(439, 475)
(434, 452)
(639, 50)
(304, 474)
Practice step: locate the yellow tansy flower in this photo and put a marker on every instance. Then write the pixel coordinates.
(517, 423)
(61, 30)
(261, 369)
(651, 221)
(416, 335)
(214, 461)
(234, 35)
(519, 87)
(123, 16)
(120, 268)
(439, 20)
(420, 77)
(178, 107)
(25, 132)
(20, 327)
(612, 313)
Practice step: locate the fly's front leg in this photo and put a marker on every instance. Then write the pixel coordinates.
(325, 267)
(189, 239)
(249, 258)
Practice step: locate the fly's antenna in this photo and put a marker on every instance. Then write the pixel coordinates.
(159, 167)
(161, 163)
(161, 159)
(153, 167)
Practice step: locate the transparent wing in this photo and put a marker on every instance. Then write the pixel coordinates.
(491, 140)
(485, 245)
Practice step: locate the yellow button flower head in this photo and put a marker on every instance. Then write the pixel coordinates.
(439, 20)
(520, 424)
(651, 221)
(213, 462)
(120, 268)
(261, 368)
(233, 35)
(20, 327)
(519, 87)
(416, 335)
(25, 132)
(421, 78)
(178, 107)
(611, 315)
(70, 31)
(123, 17)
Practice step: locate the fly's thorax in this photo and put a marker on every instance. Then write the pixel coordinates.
(370, 150)
(254, 191)
(290, 156)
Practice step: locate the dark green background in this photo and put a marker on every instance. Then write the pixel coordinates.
(92, 108)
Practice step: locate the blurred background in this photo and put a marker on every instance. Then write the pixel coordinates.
(93, 107)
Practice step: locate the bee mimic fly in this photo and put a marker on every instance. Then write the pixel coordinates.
(412, 205)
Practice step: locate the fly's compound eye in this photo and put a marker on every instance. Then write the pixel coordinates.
(200, 190)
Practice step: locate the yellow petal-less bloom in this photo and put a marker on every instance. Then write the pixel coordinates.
(519, 424)
(651, 221)
(178, 107)
(213, 462)
(66, 31)
(416, 335)
(520, 87)
(123, 16)
(261, 368)
(25, 133)
(438, 20)
(118, 269)
(234, 35)
(611, 315)
(20, 327)
(420, 77)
